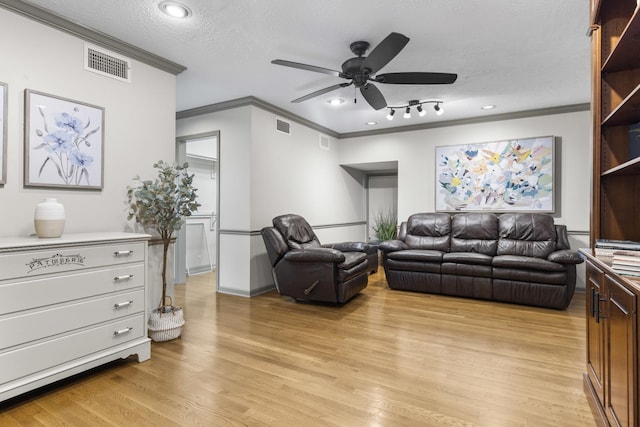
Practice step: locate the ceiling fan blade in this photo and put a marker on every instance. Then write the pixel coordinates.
(373, 96)
(306, 67)
(321, 91)
(384, 52)
(416, 78)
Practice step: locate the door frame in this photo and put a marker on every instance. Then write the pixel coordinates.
(180, 258)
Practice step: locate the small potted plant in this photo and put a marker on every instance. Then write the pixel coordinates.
(385, 226)
(161, 206)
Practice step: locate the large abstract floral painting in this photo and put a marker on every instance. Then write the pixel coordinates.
(513, 175)
(64, 142)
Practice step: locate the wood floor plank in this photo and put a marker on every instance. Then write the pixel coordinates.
(387, 358)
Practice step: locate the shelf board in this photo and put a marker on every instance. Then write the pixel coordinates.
(632, 167)
(197, 156)
(628, 112)
(625, 55)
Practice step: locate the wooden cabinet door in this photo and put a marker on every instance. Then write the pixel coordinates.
(595, 330)
(621, 405)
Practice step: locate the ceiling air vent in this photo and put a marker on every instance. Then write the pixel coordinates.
(282, 126)
(324, 142)
(106, 63)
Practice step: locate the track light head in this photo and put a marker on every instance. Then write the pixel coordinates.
(439, 111)
(421, 112)
(407, 113)
(390, 114)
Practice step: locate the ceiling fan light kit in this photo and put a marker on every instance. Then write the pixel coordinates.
(361, 71)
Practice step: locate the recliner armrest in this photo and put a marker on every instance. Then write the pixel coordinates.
(348, 246)
(565, 256)
(393, 245)
(314, 255)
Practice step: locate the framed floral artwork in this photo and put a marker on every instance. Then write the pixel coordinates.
(501, 176)
(3, 133)
(64, 142)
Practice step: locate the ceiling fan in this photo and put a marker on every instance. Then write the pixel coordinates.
(361, 70)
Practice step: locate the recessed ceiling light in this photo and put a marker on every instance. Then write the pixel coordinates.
(371, 123)
(175, 9)
(487, 107)
(335, 101)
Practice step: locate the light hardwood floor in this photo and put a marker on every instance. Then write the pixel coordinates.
(387, 358)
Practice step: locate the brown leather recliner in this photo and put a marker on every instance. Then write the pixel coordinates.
(304, 269)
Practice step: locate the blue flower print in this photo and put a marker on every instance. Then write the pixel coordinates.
(69, 122)
(65, 143)
(80, 159)
(59, 142)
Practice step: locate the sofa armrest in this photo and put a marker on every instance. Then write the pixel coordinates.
(348, 246)
(565, 256)
(314, 255)
(393, 245)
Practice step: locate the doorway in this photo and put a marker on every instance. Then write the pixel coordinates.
(197, 242)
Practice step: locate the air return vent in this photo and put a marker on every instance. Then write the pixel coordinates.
(282, 126)
(324, 142)
(106, 63)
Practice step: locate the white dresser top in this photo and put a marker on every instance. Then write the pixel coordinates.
(70, 239)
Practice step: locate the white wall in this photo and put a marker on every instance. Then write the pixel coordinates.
(139, 124)
(292, 174)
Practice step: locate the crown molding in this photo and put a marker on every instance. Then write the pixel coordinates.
(256, 102)
(58, 22)
(474, 120)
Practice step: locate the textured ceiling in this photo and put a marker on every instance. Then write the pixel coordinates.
(517, 54)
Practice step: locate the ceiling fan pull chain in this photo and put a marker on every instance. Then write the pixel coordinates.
(355, 95)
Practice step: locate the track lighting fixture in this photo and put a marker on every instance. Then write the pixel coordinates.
(418, 104)
(391, 113)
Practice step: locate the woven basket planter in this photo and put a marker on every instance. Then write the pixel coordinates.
(165, 323)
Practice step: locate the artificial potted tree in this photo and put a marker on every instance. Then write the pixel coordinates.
(161, 206)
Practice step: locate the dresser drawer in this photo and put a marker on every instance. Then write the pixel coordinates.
(31, 359)
(46, 290)
(35, 325)
(58, 260)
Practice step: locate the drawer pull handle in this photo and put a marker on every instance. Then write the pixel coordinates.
(122, 304)
(123, 253)
(125, 277)
(122, 331)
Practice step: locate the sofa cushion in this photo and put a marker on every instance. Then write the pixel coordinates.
(429, 231)
(474, 232)
(467, 258)
(518, 262)
(526, 234)
(422, 255)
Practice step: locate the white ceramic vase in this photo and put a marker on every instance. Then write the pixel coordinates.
(49, 218)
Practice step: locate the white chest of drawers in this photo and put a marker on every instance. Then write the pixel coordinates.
(70, 304)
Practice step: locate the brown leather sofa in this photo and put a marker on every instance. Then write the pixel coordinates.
(304, 269)
(521, 258)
